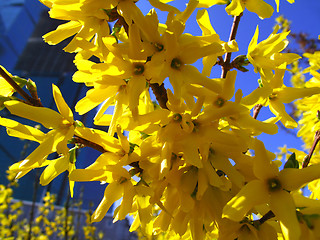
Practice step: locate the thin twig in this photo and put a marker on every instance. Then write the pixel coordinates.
(66, 227)
(161, 94)
(226, 66)
(88, 143)
(33, 206)
(266, 217)
(256, 110)
(30, 100)
(308, 157)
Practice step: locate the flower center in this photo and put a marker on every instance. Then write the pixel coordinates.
(273, 96)
(138, 69)
(159, 47)
(176, 63)
(177, 117)
(219, 102)
(274, 184)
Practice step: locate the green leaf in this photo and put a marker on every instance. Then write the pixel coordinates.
(73, 154)
(144, 135)
(239, 62)
(132, 146)
(20, 81)
(292, 162)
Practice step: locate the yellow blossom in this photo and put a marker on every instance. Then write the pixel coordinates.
(274, 93)
(260, 7)
(265, 56)
(272, 186)
(62, 125)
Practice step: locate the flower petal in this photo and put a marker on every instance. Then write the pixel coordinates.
(112, 193)
(263, 168)
(55, 167)
(45, 116)
(203, 20)
(293, 179)
(62, 32)
(282, 205)
(235, 7)
(86, 175)
(260, 7)
(279, 110)
(16, 129)
(252, 194)
(61, 104)
(289, 94)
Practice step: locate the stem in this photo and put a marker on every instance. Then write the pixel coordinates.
(308, 157)
(66, 227)
(256, 110)
(30, 100)
(266, 217)
(33, 206)
(88, 143)
(226, 66)
(161, 94)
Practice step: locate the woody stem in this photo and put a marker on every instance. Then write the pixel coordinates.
(315, 142)
(16, 87)
(226, 66)
(256, 110)
(161, 94)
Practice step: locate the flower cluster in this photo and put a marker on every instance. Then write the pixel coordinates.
(191, 165)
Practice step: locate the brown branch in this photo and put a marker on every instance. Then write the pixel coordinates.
(87, 143)
(266, 217)
(226, 66)
(161, 94)
(256, 110)
(30, 100)
(308, 157)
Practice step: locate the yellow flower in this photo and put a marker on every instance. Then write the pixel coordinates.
(6, 89)
(86, 18)
(266, 55)
(277, 2)
(62, 125)
(272, 187)
(88, 21)
(175, 62)
(274, 93)
(209, 35)
(120, 80)
(314, 61)
(57, 166)
(234, 112)
(260, 7)
(209, 3)
(245, 230)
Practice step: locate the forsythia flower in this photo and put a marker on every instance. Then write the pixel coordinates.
(260, 7)
(314, 61)
(272, 186)
(6, 89)
(274, 94)
(63, 129)
(309, 121)
(278, 3)
(266, 55)
(55, 140)
(62, 125)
